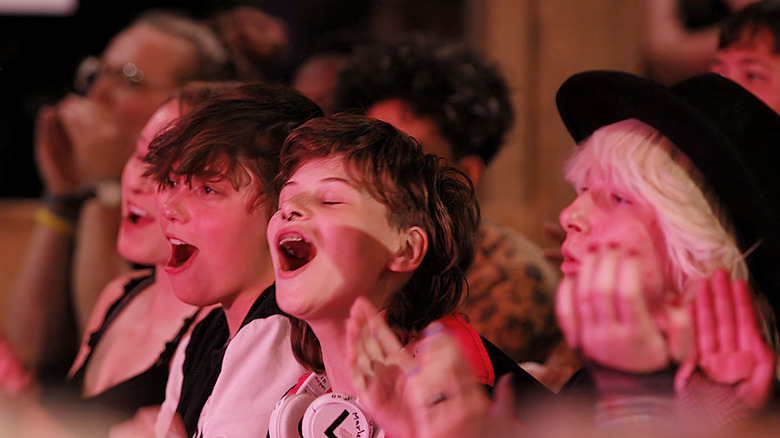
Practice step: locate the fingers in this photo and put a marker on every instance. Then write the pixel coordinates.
(731, 346)
(601, 294)
(704, 315)
(757, 388)
(504, 397)
(630, 301)
(611, 316)
(375, 355)
(53, 153)
(444, 380)
(724, 310)
(748, 333)
(585, 303)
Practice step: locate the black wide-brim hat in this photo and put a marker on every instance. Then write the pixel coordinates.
(730, 136)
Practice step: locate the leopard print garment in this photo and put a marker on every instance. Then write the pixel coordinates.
(511, 294)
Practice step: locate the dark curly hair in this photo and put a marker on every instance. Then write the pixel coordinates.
(749, 21)
(418, 191)
(242, 127)
(466, 97)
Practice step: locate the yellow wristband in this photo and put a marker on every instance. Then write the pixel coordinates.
(50, 220)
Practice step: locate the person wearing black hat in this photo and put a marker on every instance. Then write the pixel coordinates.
(676, 203)
(672, 244)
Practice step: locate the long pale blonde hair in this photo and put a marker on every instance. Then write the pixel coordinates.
(698, 235)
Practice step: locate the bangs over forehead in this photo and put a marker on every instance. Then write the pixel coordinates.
(615, 152)
(377, 156)
(236, 135)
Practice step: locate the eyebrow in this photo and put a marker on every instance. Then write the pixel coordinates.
(327, 180)
(334, 179)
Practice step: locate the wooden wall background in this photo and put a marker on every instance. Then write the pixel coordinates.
(538, 44)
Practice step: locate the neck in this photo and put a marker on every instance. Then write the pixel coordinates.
(333, 341)
(237, 308)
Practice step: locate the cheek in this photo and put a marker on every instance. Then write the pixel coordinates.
(656, 278)
(132, 173)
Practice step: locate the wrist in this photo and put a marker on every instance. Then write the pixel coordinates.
(610, 381)
(625, 399)
(66, 206)
(108, 192)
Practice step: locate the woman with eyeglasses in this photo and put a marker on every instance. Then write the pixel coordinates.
(81, 145)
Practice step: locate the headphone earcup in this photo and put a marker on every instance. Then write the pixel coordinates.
(286, 418)
(334, 412)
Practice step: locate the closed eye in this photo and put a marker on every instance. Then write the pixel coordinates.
(619, 199)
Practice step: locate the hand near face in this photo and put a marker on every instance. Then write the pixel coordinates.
(54, 155)
(379, 366)
(730, 347)
(604, 313)
(100, 144)
(434, 394)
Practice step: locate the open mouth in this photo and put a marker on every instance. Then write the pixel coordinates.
(296, 252)
(135, 215)
(181, 252)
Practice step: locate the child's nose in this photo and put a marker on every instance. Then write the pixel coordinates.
(170, 202)
(295, 208)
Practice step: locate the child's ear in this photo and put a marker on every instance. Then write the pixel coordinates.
(413, 248)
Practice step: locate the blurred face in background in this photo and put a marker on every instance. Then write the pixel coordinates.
(753, 63)
(141, 239)
(138, 71)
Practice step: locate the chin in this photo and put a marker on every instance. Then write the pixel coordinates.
(291, 305)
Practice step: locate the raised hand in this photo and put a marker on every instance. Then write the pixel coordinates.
(54, 155)
(603, 312)
(434, 394)
(730, 347)
(379, 367)
(100, 144)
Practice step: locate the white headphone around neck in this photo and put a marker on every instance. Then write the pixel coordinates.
(313, 412)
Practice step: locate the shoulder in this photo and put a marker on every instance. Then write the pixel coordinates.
(113, 291)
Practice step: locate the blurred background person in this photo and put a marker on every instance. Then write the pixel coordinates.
(680, 37)
(749, 53)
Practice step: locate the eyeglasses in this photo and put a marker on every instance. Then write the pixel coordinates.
(92, 68)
